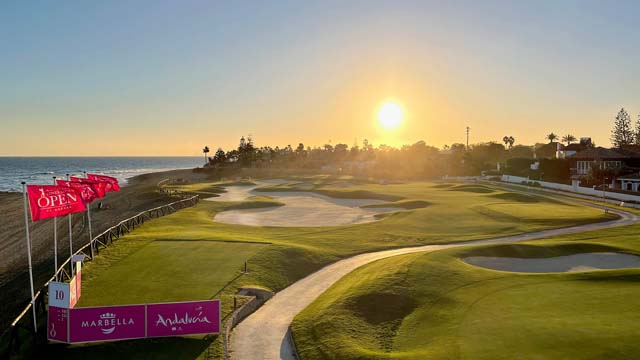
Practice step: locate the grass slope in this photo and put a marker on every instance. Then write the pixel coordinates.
(187, 255)
(434, 306)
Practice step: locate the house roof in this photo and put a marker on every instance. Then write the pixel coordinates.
(593, 153)
(573, 147)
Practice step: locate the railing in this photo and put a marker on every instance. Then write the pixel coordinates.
(103, 240)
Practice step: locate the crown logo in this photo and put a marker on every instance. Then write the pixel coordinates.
(108, 316)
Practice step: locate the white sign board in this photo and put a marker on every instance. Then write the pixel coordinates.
(59, 294)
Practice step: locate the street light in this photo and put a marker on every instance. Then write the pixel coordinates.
(604, 199)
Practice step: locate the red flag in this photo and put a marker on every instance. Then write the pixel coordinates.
(47, 201)
(111, 181)
(100, 187)
(86, 191)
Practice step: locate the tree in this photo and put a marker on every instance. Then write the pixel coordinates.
(508, 141)
(205, 151)
(568, 139)
(219, 157)
(637, 132)
(551, 137)
(622, 134)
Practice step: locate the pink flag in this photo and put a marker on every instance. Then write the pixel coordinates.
(99, 187)
(47, 201)
(85, 190)
(111, 181)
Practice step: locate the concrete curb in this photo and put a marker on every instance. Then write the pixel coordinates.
(257, 297)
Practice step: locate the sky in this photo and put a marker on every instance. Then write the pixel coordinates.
(117, 78)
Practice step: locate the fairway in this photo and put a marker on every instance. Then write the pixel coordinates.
(435, 306)
(188, 256)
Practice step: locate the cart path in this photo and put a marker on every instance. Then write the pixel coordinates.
(265, 333)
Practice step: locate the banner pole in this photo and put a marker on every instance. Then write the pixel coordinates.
(70, 243)
(26, 226)
(55, 242)
(89, 220)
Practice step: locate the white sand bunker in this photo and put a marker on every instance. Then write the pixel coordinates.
(568, 263)
(300, 209)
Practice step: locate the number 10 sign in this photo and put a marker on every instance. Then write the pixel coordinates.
(62, 295)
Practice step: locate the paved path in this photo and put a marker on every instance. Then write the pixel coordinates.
(264, 334)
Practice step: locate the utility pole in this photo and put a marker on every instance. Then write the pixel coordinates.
(468, 128)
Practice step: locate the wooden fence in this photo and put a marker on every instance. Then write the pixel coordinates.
(23, 324)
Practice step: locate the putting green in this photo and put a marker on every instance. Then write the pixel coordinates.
(187, 255)
(435, 306)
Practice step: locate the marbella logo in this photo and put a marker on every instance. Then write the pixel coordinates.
(108, 322)
(176, 322)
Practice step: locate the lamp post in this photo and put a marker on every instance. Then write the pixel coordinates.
(604, 198)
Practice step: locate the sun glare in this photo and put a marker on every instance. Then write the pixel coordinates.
(390, 115)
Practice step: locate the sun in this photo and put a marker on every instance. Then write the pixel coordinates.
(390, 115)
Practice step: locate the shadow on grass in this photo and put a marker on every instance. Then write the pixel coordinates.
(161, 348)
(472, 188)
(527, 199)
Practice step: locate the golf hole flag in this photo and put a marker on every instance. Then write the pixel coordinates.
(47, 201)
(112, 183)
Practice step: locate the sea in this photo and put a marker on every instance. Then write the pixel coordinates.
(40, 170)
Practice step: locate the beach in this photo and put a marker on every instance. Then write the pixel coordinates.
(140, 193)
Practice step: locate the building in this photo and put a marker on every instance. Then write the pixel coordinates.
(602, 158)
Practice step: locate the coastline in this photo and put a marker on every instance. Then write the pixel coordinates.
(139, 193)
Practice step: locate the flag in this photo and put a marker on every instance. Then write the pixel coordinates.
(112, 183)
(47, 201)
(86, 191)
(100, 187)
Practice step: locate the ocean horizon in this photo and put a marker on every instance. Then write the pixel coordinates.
(41, 169)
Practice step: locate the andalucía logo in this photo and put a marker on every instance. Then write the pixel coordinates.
(108, 322)
(175, 323)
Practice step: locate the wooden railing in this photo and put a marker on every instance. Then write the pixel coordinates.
(25, 322)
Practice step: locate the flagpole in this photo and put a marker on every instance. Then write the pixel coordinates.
(70, 243)
(89, 220)
(55, 242)
(26, 226)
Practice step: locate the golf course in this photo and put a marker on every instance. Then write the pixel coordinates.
(414, 306)
(435, 306)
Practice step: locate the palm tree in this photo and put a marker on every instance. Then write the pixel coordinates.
(551, 137)
(508, 141)
(568, 139)
(205, 151)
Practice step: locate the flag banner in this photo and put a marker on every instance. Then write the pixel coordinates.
(99, 187)
(111, 181)
(47, 201)
(86, 191)
(183, 318)
(107, 323)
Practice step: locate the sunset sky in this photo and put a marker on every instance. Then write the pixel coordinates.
(168, 77)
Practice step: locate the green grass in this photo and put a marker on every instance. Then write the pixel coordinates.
(187, 255)
(435, 306)
(403, 204)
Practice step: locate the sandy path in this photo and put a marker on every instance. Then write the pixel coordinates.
(264, 334)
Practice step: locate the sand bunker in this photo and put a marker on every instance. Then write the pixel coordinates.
(300, 209)
(568, 263)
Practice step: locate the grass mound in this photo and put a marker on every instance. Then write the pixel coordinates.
(404, 204)
(472, 188)
(377, 308)
(443, 186)
(523, 198)
(445, 308)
